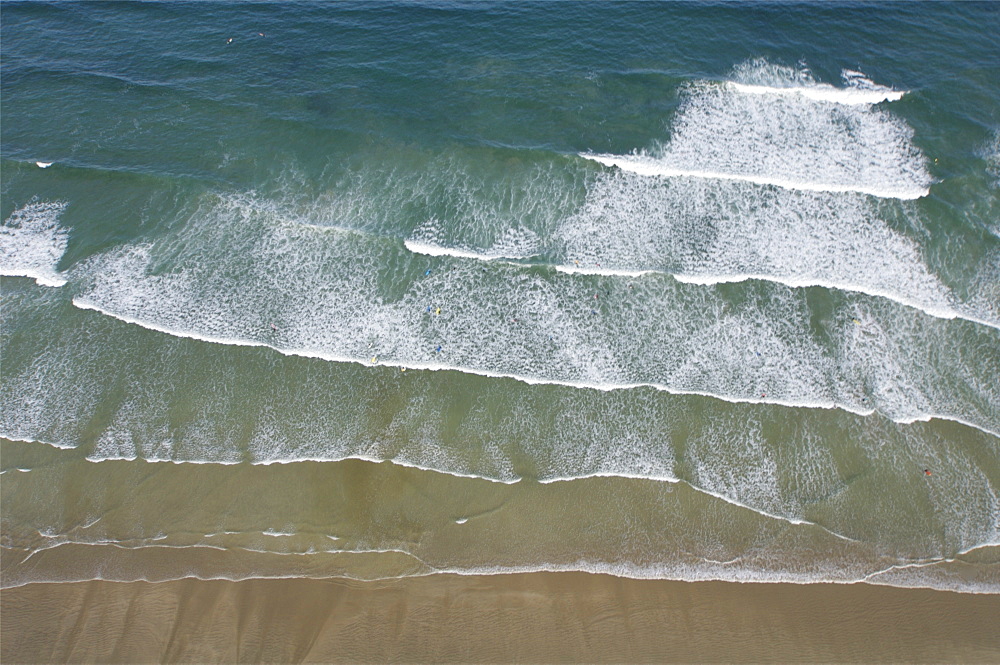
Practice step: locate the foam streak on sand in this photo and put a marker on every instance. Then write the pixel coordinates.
(164, 539)
(117, 567)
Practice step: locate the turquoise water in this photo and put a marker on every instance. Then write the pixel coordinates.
(692, 291)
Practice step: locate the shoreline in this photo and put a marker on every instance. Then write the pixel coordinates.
(519, 617)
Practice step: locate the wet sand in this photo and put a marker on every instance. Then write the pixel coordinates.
(531, 617)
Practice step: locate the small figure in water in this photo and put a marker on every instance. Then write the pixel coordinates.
(229, 41)
(274, 327)
(927, 472)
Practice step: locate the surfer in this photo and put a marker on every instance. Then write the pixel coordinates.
(927, 472)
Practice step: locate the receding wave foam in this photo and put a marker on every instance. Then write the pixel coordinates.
(797, 141)
(32, 242)
(366, 300)
(479, 528)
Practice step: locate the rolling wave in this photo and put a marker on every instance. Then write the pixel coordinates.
(242, 277)
(710, 233)
(714, 233)
(758, 76)
(826, 93)
(787, 134)
(664, 167)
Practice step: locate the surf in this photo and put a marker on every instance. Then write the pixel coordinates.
(32, 242)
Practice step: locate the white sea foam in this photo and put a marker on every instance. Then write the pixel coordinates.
(826, 93)
(431, 239)
(325, 301)
(786, 138)
(717, 232)
(759, 76)
(665, 166)
(705, 570)
(32, 242)
(418, 247)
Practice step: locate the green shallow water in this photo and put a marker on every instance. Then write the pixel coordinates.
(385, 232)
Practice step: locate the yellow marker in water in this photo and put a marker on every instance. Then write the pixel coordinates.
(374, 359)
(437, 311)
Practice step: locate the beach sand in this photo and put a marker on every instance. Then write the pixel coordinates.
(529, 617)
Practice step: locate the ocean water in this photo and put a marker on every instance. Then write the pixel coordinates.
(367, 290)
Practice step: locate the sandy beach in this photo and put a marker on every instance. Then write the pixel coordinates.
(533, 617)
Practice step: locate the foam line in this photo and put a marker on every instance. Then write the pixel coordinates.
(431, 249)
(702, 279)
(776, 126)
(825, 93)
(795, 521)
(282, 461)
(647, 166)
(672, 480)
(82, 303)
(529, 380)
(41, 277)
(946, 313)
(761, 77)
(714, 572)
